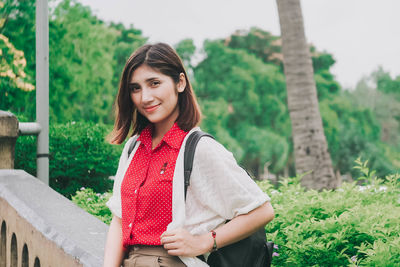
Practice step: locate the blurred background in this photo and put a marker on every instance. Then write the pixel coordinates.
(232, 50)
(234, 56)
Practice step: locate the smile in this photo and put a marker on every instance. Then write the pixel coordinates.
(151, 108)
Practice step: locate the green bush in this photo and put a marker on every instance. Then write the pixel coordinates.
(94, 203)
(79, 157)
(355, 225)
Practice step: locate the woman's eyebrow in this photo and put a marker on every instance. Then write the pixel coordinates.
(152, 79)
(147, 80)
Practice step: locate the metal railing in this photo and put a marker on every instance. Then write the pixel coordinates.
(29, 128)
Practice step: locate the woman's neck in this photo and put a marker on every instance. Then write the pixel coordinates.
(161, 128)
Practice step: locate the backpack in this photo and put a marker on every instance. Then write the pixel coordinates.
(253, 251)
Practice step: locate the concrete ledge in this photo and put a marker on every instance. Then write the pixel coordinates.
(77, 234)
(8, 137)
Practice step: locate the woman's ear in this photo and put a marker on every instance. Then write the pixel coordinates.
(182, 83)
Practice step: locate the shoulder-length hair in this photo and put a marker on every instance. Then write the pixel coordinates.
(164, 59)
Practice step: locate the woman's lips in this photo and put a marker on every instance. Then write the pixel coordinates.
(151, 108)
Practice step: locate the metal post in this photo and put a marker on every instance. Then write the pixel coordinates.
(42, 89)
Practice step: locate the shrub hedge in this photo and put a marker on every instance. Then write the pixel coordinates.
(351, 226)
(354, 225)
(79, 157)
(94, 203)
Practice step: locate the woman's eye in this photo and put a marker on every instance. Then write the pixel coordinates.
(133, 88)
(155, 83)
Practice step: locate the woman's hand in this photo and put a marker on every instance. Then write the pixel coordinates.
(180, 242)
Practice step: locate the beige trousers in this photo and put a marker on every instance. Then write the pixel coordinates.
(151, 256)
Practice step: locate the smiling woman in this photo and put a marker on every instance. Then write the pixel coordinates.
(149, 70)
(155, 95)
(153, 224)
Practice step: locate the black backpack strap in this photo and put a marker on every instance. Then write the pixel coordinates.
(190, 148)
(132, 145)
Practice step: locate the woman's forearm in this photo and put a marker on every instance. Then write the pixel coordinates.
(241, 226)
(114, 251)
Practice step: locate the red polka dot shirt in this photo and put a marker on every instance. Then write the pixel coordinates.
(146, 190)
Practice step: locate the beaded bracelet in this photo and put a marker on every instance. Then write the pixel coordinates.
(214, 234)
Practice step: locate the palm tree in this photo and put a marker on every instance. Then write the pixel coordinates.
(310, 146)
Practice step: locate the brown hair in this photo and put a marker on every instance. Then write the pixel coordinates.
(164, 59)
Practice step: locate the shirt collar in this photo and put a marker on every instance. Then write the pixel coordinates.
(174, 137)
(146, 136)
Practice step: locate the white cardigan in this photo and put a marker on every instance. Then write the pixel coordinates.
(219, 190)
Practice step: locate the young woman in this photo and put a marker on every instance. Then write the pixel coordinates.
(153, 225)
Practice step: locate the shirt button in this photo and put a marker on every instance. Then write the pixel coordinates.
(135, 191)
(130, 225)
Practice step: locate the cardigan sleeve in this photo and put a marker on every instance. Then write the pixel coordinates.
(223, 186)
(114, 203)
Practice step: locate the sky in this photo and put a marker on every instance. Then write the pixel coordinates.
(361, 34)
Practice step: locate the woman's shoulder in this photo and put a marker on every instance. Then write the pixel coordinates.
(209, 148)
(129, 143)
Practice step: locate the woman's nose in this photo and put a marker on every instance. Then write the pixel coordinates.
(146, 95)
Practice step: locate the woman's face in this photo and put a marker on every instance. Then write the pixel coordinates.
(155, 95)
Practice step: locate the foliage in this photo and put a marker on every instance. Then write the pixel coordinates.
(18, 24)
(14, 82)
(351, 131)
(186, 50)
(94, 203)
(267, 47)
(242, 90)
(352, 226)
(12, 65)
(257, 42)
(17, 57)
(239, 81)
(377, 93)
(127, 41)
(386, 84)
(79, 156)
(86, 59)
(81, 60)
(231, 85)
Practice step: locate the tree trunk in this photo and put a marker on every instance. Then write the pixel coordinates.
(310, 146)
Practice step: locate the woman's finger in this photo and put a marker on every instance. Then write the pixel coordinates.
(175, 252)
(171, 246)
(168, 239)
(170, 232)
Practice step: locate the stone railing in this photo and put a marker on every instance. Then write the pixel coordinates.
(40, 227)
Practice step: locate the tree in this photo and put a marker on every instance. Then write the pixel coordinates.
(17, 92)
(258, 42)
(268, 48)
(127, 41)
(310, 146)
(243, 102)
(81, 65)
(186, 50)
(14, 82)
(18, 24)
(86, 58)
